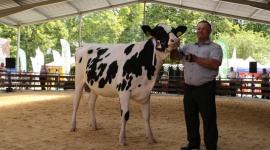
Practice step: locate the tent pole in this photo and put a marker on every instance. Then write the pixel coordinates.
(18, 47)
(144, 18)
(80, 30)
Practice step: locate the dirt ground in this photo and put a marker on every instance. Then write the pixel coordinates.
(40, 120)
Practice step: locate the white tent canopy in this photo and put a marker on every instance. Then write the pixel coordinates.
(26, 12)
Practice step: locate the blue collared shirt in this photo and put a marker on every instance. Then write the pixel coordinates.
(195, 74)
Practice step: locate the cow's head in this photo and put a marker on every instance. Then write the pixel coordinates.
(166, 37)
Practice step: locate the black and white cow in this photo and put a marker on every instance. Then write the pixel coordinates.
(127, 71)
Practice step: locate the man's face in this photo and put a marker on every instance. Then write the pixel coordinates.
(203, 31)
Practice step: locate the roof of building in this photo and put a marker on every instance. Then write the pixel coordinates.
(27, 12)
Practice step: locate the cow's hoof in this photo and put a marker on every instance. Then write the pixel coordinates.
(95, 129)
(152, 141)
(73, 129)
(123, 143)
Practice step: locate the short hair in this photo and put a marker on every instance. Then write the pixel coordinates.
(206, 22)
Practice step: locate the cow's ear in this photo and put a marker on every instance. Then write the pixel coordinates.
(147, 30)
(180, 30)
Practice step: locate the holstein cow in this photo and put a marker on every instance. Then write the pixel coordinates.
(127, 71)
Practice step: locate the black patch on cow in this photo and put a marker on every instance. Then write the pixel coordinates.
(133, 66)
(127, 116)
(101, 51)
(121, 86)
(93, 74)
(80, 60)
(107, 55)
(101, 69)
(111, 74)
(129, 49)
(139, 85)
(90, 51)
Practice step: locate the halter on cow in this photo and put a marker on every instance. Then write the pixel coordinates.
(127, 71)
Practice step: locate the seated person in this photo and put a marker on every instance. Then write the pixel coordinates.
(3, 70)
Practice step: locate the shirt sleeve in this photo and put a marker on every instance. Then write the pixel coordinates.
(216, 52)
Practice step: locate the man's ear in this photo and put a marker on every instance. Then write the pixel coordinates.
(180, 30)
(147, 30)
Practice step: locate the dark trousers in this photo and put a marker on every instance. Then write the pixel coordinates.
(264, 90)
(42, 83)
(201, 99)
(233, 89)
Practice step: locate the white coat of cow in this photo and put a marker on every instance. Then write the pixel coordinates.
(127, 71)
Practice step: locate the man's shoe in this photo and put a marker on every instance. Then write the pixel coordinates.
(188, 147)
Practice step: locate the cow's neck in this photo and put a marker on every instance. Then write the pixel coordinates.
(160, 56)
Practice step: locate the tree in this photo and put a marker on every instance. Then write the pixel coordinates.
(248, 43)
(122, 25)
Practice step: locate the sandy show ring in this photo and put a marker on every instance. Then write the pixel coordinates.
(40, 120)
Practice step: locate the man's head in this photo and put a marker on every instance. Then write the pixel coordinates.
(203, 31)
(2, 65)
(231, 69)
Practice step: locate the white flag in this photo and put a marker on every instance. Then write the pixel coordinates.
(22, 58)
(234, 53)
(65, 56)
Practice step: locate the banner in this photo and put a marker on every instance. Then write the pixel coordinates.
(4, 49)
(65, 56)
(224, 68)
(57, 57)
(234, 54)
(22, 58)
(37, 61)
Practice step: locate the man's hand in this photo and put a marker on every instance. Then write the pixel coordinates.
(191, 57)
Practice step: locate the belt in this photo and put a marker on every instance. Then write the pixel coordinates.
(210, 82)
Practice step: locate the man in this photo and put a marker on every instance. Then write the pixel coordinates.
(164, 82)
(201, 61)
(232, 76)
(264, 76)
(43, 76)
(3, 70)
(2, 67)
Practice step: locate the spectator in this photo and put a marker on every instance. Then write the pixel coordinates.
(264, 76)
(232, 76)
(164, 82)
(3, 70)
(43, 76)
(56, 73)
(2, 67)
(49, 79)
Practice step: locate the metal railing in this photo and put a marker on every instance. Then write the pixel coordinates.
(241, 87)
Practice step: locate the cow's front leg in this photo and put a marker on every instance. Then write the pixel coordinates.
(91, 103)
(146, 116)
(124, 102)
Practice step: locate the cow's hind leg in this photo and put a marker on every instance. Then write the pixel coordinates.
(124, 102)
(146, 116)
(76, 101)
(91, 104)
